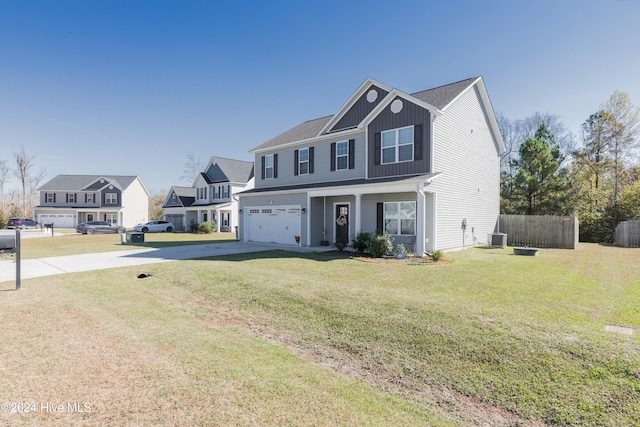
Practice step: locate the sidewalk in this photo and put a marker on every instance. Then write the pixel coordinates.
(40, 267)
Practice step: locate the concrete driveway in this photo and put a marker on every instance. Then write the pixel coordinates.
(97, 261)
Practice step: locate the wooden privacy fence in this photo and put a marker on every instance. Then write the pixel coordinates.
(628, 234)
(540, 231)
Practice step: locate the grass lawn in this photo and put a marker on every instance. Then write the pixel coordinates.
(69, 243)
(279, 338)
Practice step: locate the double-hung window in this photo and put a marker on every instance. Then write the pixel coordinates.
(397, 145)
(71, 197)
(303, 161)
(51, 198)
(91, 198)
(400, 218)
(342, 155)
(111, 198)
(268, 166)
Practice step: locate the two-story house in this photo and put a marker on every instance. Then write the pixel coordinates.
(211, 197)
(67, 200)
(423, 167)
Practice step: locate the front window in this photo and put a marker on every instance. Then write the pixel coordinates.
(111, 218)
(397, 145)
(342, 155)
(71, 197)
(111, 199)
(303, 161)
(50, 198)
(90, 198)
(400, 218)
(225, 191)
(268, 166)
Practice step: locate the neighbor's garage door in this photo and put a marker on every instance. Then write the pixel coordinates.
(273, 224)
(60, 220)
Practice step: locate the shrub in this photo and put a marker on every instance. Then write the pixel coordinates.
(193, 226)
(437, 255)
(205, 228)
(362, 242)
(381, 245)
(341, 244)
(401, 249)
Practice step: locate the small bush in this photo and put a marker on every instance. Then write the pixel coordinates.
(362, 242)
(437, 255)
(341, 244)
(193, 226)
(401, 249)
(381, 245)
(205, 228)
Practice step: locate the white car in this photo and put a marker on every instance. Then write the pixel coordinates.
(155, 226)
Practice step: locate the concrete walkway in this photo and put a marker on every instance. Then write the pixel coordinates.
(97, 261)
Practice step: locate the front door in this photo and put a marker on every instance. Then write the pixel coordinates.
(342, 223)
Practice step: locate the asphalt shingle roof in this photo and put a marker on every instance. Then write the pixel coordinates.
(439, 97)
(229, 170)
(80, 182)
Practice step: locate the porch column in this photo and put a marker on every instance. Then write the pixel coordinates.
(218, 220)
(420, 221)
(358, 221)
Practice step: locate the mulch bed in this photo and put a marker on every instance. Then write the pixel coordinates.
(409, 259)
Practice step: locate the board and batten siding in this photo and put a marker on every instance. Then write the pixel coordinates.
(360, 109)
(321, 164)
(467, 155)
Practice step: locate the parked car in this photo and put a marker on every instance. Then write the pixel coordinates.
(21, 223)
(155, 226)
(92, 227)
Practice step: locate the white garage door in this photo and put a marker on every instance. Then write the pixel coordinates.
(59, 220)
(273, 224)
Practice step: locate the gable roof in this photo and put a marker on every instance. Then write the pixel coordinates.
(186, 196)
(220, 169)
(83, 182)
(439, 97)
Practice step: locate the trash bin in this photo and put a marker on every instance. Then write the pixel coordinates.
(237, 239)
(123, 238)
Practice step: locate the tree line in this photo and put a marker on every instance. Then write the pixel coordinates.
(17, 202)
(545, 171)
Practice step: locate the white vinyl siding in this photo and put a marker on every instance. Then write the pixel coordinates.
(469, 187)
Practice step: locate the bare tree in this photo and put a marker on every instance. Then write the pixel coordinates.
(191, 167)
(24, 162)
(4, 171)
(34, 182)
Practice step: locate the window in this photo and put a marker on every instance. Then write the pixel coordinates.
(303, 161)
(111, 218)
(71, 197)
(202, 193)
(400, 218)
(397, 145)
(111, 199)
(51, 197)
(174, 198)
(225, 191)
(91, 198)
(268, 166)
(342, 155)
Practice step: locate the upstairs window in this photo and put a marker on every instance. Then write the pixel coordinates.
(397, 145)
(268, 166)
(174, 198)
(225, 191)
(111, 198)
(342, 155)
(71, 197)
(90, 198)
(51, 197)
(303, 161)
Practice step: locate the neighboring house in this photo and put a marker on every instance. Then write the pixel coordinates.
(211, 197)
(423, 167)
(67, 200)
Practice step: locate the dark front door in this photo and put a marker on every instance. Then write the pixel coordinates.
(342, 223)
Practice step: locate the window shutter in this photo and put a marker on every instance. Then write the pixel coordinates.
(417, 142)
(295, 163)
(54, 197)
(377, 148)
(85, 197)
(352, 154)
(275, 165)
(67, 198)
(333, 156)
(380, 217)
(310, 160)
(262, 167)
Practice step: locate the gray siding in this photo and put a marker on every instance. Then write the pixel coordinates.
(411, 114)
(359, 110)
(322, 164)
(61, 199)
(466, 153)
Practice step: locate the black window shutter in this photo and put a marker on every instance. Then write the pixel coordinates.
(417, 142)
(85, 197)
(380, 217)
(352, 154)
(275, 165)
(333, 156)
(295, 163)
(377, 149)
(262, 167)
(67, 196)
(310, 160)
(54, 197)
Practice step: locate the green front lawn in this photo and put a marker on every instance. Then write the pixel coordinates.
(283, 338)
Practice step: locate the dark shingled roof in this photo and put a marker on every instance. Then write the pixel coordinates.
(187, 195)
(228, 170)
(80, 182)
(439, 97)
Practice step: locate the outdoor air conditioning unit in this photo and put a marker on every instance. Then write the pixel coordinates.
(498, 240)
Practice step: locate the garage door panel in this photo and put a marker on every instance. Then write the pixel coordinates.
(278, 224)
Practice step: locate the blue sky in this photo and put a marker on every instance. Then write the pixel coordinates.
(129, 87)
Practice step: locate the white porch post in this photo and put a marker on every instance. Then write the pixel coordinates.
(420, 221)
(217, 219)
(358, 221)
